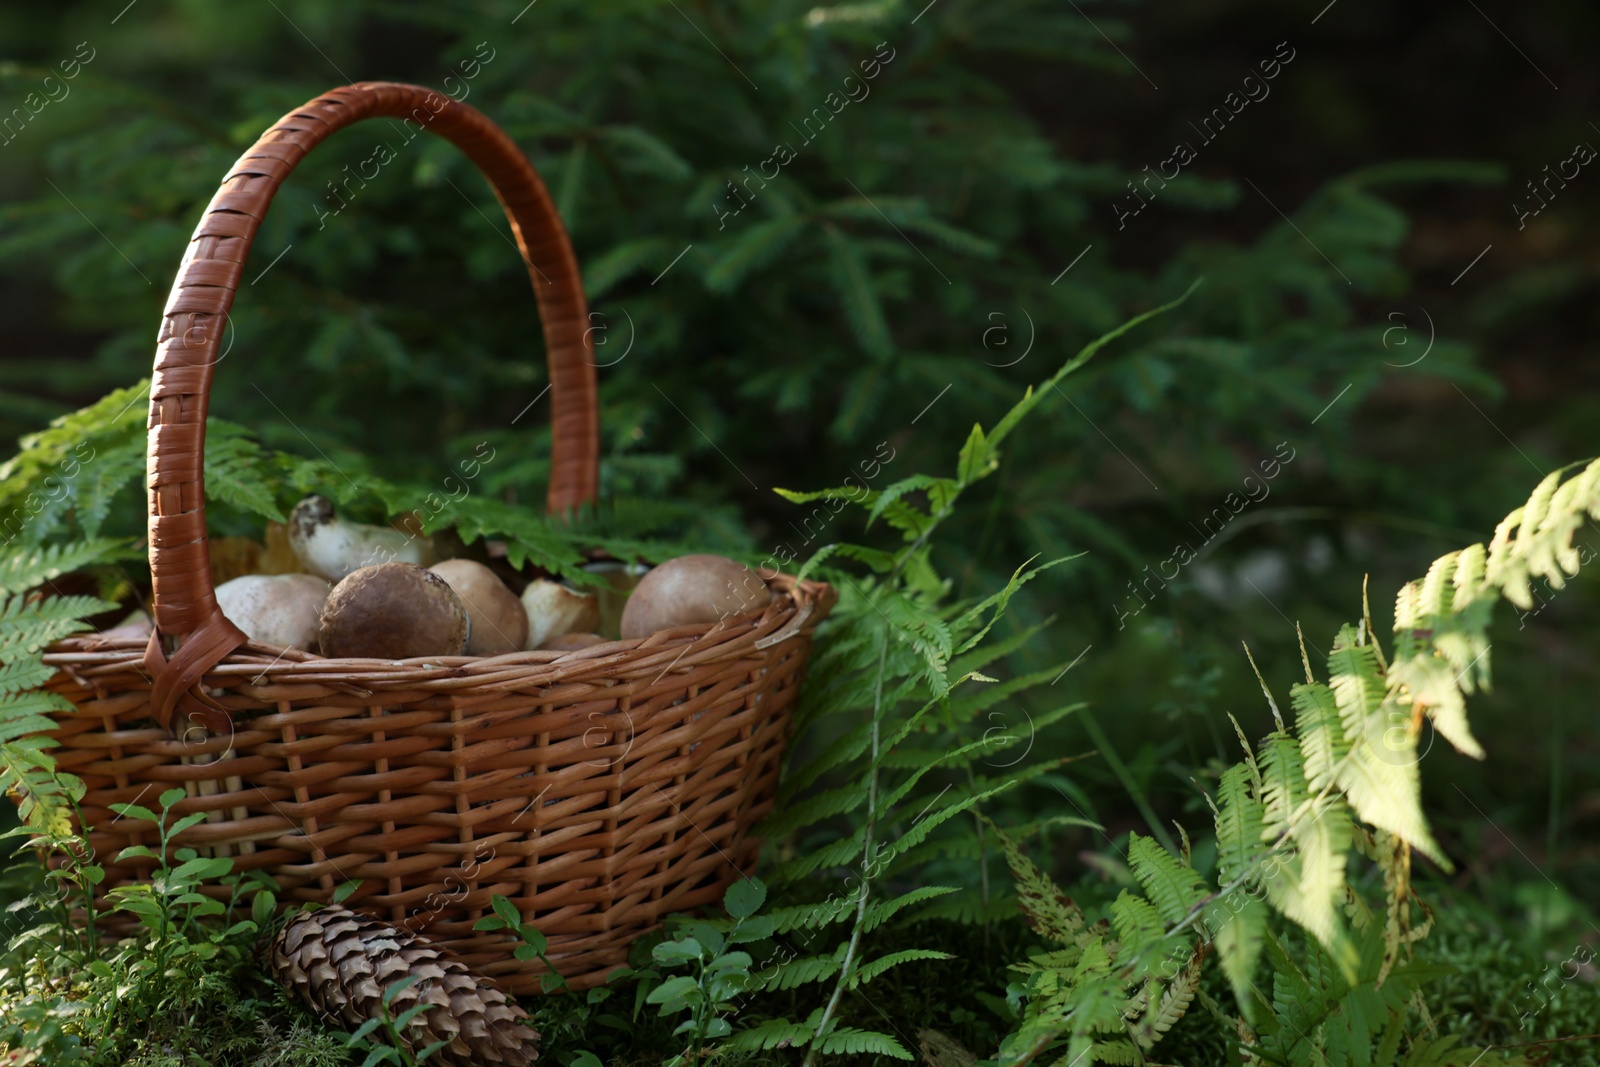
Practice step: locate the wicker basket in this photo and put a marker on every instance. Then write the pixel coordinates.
(599, 790)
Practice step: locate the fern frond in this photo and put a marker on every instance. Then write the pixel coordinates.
(1138, 925)
(816, 808)
(25, 567)
(44, 794)
(850, 1041)
(27, 626)
(868, 971)
(1239, 925)
(884, 910)
(1161, 1016)
(798, 972)
(1323, 743)
(771, 1034)
(22, 714)
(753, 248)
(24, 672)
(1240, 823)
(858, 295)
(837, 853)
(1171, 886)
(238, 472)
(1119, 1053)
(1050, 912)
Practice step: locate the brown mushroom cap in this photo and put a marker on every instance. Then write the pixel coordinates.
(692, 589)
(499, 624)
(394, 611)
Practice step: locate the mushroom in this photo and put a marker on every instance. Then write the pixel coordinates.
(554, 609)
(499, 624)
(394, 611)
(619, 579)
(572, 642)
(692, 589)
(136, 627)
(333, 547)
(279, 610)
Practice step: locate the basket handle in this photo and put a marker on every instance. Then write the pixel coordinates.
(196, 316)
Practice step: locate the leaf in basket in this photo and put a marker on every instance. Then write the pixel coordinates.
(114, 467)
(528, 537)
(237, 471)
(345, 891)
(75, 465)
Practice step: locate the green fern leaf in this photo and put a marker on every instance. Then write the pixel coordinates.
(1114, 1052)
(815, 809)
(858, 295)
(1049, 911)
(868, 971)
(1322, 738)
(1172, 887)
(24, 672)
(1138, 925)
(811, 916)
(883, 911)
(22, 714)
(756, 246)
(44, 795)
(771, 1034)
(237, 472)
(26, 567)
(1161, 1016)
(115, 467)
(1240, 820)
(798, 972)
(27, 627)
(850, 1041)
(839, 853)
(1239, 925)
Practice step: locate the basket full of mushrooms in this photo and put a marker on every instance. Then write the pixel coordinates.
(429, 731)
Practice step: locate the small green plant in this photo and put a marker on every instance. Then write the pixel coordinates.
(1342, 777)
(719, 972)
(534, 944)
(184, 984)
(171, 905)
(396, 1045)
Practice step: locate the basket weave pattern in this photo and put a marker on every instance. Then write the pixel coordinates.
(599, 790)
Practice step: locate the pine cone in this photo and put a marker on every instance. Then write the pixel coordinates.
(340, 962)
